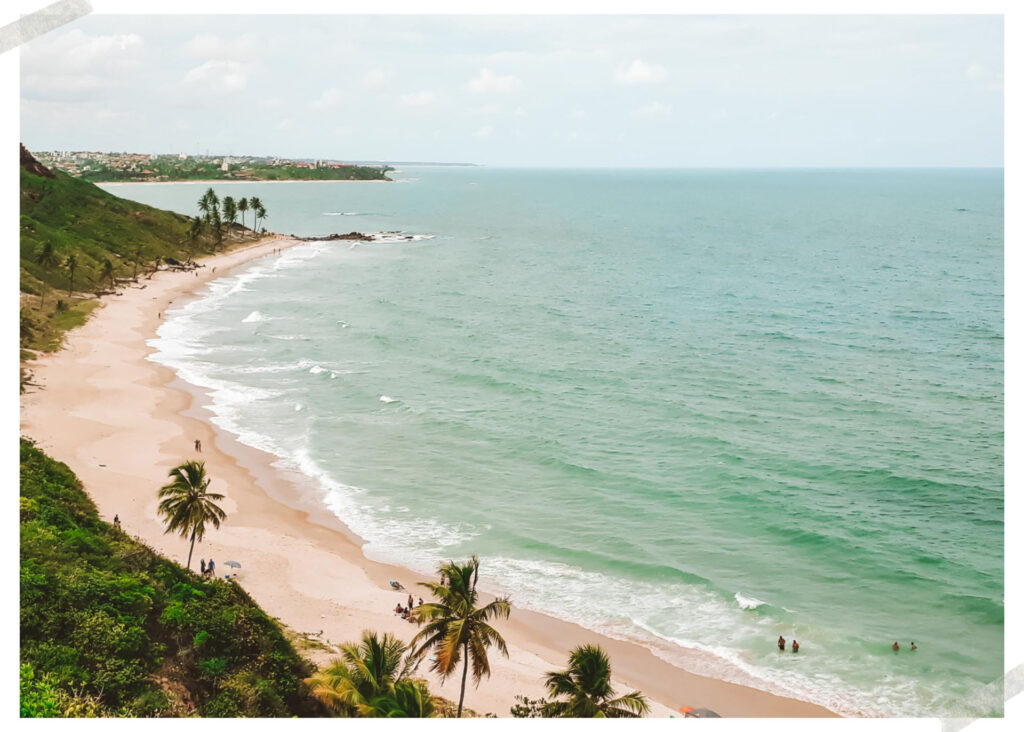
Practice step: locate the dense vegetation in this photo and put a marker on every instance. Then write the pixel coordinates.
(74, 216)
(77, 238)
(171, 168)
(109, 628)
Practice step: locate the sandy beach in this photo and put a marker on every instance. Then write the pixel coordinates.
(122, 422)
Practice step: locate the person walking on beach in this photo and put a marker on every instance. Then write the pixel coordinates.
(202, 567)
(796, 646)
(209, 569)
(410, 602)
(199, 446)
(782, 643)
(896, 645)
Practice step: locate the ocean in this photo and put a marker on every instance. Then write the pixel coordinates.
(693, 408)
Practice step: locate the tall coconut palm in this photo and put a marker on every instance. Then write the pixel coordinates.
(230, 210)
(187, 506)
(218, 232)
(204, 205)
(71, 264)
(373, 678)
(455, 628)
(243, 206)
(256, 204)
(261, 212)
(46, 258)
(585, 688)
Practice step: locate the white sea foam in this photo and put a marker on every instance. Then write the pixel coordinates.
(386, 399)
(747, 603)
(317, 369)
(254, 317)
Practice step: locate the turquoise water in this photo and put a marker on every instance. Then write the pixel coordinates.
(696, 409)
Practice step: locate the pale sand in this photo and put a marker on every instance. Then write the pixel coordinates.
(121, 422)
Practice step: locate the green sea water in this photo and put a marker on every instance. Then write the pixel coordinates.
(697, 409)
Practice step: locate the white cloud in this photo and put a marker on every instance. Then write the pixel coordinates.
(577, 113)
(653, 110)
(77, 65)
(487, 81)
(270, 102)
(483, 132)
(240, 48)
(974, 71)
(486, 110)
(286, 123)
(329, 98)
(218, 77)
(520, 112)
(376, 77)
(640, 72)
(417, 99)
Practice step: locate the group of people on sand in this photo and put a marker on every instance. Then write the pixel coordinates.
(405, 611)
(207, 570)
(782, 645)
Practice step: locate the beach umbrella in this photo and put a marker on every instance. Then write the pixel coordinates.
(699, 712)
(233, 563)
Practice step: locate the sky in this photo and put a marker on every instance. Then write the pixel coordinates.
(565, 91)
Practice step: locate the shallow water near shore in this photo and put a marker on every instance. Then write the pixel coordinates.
(696, 409)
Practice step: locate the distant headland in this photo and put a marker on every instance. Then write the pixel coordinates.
(107, 167)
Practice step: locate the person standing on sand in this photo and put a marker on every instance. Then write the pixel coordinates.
(199, 446)
(209, 569)
(782, 643)
(896, 645)
(410, 602)
(202, 567)
(117, 521)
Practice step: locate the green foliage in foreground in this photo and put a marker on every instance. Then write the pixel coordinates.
(109, 628)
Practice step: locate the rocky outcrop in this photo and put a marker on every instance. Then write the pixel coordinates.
(33, 166)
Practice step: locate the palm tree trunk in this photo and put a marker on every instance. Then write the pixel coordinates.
(465, 670)
(192, 546)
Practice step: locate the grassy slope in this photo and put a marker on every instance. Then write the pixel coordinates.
(74, 215)
(109, 628)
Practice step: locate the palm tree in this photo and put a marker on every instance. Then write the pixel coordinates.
(261, 213)
(243, 206)
(585, 688)
(230, 210)
(456, 628)
(46, 258)
(208, 204)
(373, 678)
(71, 264)
(186, 504)
(218, 234)
(107, 271)
(256, 205)
(204, 205)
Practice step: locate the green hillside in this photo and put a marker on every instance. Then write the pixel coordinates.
(74, 215)
(110, 628)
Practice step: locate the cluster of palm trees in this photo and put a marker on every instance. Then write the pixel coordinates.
(376, 677)
(215, 213)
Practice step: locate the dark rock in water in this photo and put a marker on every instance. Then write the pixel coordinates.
(29, 163)
(350, 236)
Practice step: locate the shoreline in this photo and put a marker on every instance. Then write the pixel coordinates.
(121, 422)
